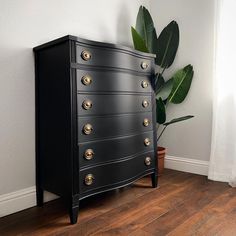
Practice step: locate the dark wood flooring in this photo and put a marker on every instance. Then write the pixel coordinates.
(184, 204)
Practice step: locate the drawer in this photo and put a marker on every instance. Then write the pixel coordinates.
(104, 104)
(112, 81)
(90, 128)
(115, 173)
(111, 57)
(113, 149)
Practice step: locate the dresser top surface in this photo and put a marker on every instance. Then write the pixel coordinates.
(92, 43)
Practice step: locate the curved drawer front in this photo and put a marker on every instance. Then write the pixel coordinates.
(115, 173)
(111, 81)
(112, 126)
(110, 57)
(109, 150)
(112, 104)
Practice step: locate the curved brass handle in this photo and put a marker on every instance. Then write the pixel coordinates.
(147, 142)
(86, 55)
(147, 161)
(88, 155)
(144, 84)
(87, 104)
(145, 103)
(86, 80)
(144, 65)
(146, 122)
(89, 179)
(88, 129)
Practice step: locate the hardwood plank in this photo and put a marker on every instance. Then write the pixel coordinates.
(224, 220)
(209, 217)
(227, 227)
(117, 214)
(31, 218)
(180, 213)
(107, 201)
(128, 223)
(184, 204)
(90, 208)
(140, 232)
(132, 217)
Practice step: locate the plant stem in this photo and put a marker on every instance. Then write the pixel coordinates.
(163, 70)
(157, 126)
(159, 72)
(161, 133)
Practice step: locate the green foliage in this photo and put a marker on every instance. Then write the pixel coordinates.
(160, 111)
(145, 28)
(182, 118)
(139, 43)
(165, 90)
(175, 89)
(167, 45)
(182, 82)
(159, 82)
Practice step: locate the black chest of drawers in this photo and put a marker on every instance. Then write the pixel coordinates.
(95, 118)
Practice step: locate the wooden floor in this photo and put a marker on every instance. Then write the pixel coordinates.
(184, 204)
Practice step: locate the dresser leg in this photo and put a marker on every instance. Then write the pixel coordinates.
(154, 180)
(74, 211)
(39, 196)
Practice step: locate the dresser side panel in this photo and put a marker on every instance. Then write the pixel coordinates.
(53, 119)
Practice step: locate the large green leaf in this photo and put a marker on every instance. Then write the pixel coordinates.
(167, 45)
(178, 120)
(181, 85)
(140, 23)
(145, 28)
(160, 111)
(172, 122)
(159, 82)
(139, 43)
(165, 90)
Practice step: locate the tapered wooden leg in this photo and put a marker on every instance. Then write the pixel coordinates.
(154, 180)
(74, 211)
(39, 196)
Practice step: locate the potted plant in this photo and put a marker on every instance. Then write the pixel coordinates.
(172, 90)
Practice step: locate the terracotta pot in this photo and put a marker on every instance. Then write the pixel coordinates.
(161, 153)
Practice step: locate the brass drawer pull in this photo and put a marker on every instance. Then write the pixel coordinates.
(86, 80)
(89, 153)
(89, 179)
(147, 142)
(144, 84)
(145, 103)
(146, 122)
(88, 129)
(86, 55)
(144, 65)
(147, 161)
(87, 104)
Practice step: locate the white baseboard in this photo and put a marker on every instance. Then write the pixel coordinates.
(20, 200)
(187, 165)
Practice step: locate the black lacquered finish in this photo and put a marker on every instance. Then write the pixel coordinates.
(121, 172)
(113, 126)
(116, 104)
(113, 81)
(122, 147)
(95, 118)
(112, 58)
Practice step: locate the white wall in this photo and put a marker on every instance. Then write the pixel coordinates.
(28, 23)
(190, 139)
